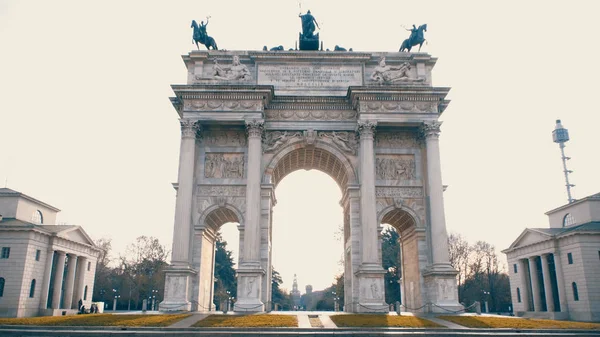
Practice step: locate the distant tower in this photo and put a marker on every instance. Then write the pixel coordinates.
(295, 293)
(560, 135)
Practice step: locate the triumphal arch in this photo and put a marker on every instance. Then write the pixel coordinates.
(369, 120)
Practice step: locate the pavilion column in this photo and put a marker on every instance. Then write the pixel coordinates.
(535, 284)
(524, 285)
(79, 280)
(70, 282)
(185, 188)
(560, 283)
(178, 277)
(250, 272)
(440, 288)
(58, 279)
(46, 283)
(547, 283)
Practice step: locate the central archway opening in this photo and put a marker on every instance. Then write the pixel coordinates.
(308, 227)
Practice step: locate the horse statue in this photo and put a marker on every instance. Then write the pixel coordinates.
(200, 36)
(416, 38)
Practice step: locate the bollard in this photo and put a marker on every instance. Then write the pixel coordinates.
(144, 305)
(398, 308)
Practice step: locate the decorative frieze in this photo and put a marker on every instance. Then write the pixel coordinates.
(395, 167)
(221, 190)
(397, 106)
(230, 138)
(323, 115)
(221, 105)
(224, 165)
(399, 192)
(396, 140)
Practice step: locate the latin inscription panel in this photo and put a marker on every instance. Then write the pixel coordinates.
(309, 75)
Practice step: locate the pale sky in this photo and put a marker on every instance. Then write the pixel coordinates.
(86, 124)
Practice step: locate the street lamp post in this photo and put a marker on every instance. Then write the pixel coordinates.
(115, 292)
(154, 295)
(486, 293)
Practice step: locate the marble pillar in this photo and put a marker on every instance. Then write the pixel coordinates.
(46, 283)
(250, 273)
(70, 281)
(58, 279)
(547, 283)
(370, 273)
(523, 267)
(178, 275)
(441, 290)
(535, 284)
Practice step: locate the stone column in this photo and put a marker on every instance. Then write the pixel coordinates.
(440, 278)
(368, 211)
(547, 283)
(560, 283)
(524, 285)
(79, 280)
(370, 273)
(435, 190)
(46, 283)
(70, 282)
(250, 272)
(58, 279)
(178, 284)
(183, 205)
(535, 284)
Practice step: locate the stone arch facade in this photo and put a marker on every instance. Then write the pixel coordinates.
(371, 125)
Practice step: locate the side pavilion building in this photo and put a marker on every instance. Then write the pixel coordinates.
(45, 269)
(555, 272)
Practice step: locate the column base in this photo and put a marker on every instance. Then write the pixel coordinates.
(249, 276)
(441, 290)
(371, 287)
(178, 281)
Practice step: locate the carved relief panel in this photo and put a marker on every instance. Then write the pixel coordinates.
(395, 167)
(224, 165)
(395, 140)
(231, 138)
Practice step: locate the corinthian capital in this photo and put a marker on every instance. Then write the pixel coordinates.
(366, 129)
(255, 128)
(431, 129)
(189, 128)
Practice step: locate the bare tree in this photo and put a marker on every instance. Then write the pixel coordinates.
(459, 252)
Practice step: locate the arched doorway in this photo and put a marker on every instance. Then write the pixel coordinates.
(324, 156)
(204, 249)
(413, 253)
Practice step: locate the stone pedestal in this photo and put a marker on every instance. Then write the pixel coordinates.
(371, 285)
(249, 289)
(441, 291)
(178, 283)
